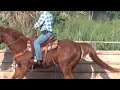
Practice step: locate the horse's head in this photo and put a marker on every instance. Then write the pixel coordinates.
(2, 35)
(10, 35)
(12, 38)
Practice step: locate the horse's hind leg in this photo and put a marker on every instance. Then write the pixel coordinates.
(16, 74)
(23, 71)
(67, 71)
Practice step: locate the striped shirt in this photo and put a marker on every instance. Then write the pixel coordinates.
(45, 21)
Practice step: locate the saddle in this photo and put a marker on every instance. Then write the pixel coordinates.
(50, 44)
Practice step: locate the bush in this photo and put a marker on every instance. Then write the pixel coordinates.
(68, 25)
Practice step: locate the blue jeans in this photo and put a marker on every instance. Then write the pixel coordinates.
(41, 39)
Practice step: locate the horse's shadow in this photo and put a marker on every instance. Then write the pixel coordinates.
(83, 70)
(86, 69)
(7, 61)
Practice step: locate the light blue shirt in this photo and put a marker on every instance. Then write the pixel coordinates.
(45, 21)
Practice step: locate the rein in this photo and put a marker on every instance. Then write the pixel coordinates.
(19, 38)
(21, 53)
(14, 41)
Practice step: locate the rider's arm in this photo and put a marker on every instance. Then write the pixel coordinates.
(40, 21)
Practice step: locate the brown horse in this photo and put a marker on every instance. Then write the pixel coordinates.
(67, 54)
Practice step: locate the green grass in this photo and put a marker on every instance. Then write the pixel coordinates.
(81, 29)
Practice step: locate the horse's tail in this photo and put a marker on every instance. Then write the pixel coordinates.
(93, 55)
(98, 61)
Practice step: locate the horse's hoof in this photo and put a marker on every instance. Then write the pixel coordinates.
(13, 78)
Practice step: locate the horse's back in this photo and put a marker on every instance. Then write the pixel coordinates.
(66, 42)
(68, 45)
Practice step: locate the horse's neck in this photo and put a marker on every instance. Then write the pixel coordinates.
(18, 46)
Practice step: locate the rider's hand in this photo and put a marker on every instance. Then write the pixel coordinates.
(33, 28)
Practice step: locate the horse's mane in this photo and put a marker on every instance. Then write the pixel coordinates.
(13, 32)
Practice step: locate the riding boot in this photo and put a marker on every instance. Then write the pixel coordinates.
(39, 62)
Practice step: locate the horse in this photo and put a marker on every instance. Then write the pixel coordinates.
(67, 54)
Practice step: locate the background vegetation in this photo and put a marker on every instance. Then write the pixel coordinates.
(73, 25)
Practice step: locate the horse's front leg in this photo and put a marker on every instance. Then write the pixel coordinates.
(16, 74)
(23, 71)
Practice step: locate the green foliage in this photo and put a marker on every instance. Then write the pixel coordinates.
(59, 21)
(73, 25)
(113, 14)
(80, 28)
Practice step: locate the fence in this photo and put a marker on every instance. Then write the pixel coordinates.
(85, 69)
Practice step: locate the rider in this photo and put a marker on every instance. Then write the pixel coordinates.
(45, 23)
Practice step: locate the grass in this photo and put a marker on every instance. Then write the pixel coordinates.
(77, 28)
(82, 29)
